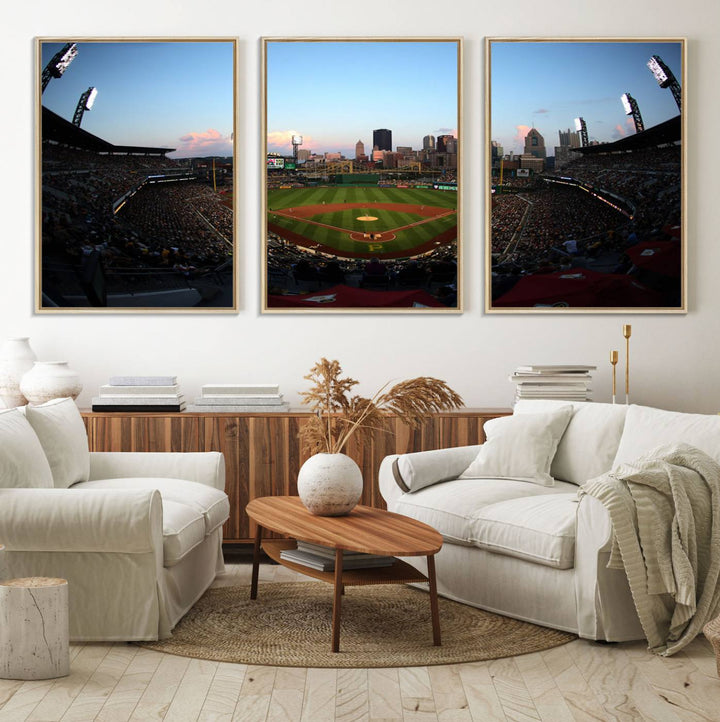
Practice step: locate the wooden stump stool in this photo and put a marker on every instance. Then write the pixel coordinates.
(34, 628)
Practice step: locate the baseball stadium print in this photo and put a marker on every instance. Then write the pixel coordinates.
(586, 176)
(136, 169)
(362, 176)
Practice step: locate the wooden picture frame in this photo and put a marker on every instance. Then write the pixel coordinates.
(362, 178)
(136, 194)
(599, 227)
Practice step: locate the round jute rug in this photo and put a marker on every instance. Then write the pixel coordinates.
(289, 625)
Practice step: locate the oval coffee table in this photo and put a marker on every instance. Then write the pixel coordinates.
(364, 529)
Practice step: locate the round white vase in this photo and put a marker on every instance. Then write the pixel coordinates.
(330, 484)
(49, 380)
(16, 358)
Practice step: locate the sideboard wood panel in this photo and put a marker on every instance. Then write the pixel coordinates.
(262, 452)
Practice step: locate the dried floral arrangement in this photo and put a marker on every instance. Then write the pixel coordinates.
(339, 415)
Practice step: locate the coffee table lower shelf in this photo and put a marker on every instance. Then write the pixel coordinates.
(399, 572)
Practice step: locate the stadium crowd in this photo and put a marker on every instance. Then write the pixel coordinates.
(181, 224)
(297, 270)
(566, 227)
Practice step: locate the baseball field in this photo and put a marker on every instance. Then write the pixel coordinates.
(359, 222)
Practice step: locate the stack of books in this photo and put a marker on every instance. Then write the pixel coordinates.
(140, 393)
(240, 398)
(564, 382)
(322, 558)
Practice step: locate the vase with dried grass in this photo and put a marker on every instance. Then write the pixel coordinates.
(330, 483)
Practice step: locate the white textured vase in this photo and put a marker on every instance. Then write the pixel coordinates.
(49, 380)
(16, 358)
(330, 484)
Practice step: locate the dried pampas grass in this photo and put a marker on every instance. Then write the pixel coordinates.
(339, 415)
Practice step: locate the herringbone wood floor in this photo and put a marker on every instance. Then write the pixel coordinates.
(578, 681)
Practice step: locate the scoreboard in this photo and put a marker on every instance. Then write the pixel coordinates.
(275, 163)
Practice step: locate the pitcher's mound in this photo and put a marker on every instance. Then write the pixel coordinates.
(366, 218)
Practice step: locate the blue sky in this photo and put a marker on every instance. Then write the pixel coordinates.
(335, 93)
(547, 85)
(163, 94)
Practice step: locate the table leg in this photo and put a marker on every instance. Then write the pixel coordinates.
(434, 611)
(256, 563)
(337, 600)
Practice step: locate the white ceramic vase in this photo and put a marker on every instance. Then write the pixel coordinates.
(16, 358)
(330, 484)
(49, 380)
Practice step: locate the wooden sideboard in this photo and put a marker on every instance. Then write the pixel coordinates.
(262, 452)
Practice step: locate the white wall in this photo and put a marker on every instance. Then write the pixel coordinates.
(674, 357)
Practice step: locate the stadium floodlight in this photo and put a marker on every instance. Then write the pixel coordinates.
(581, 127)
(631, 108)
(665, 78)
(59, 63)
(297, 141)
(87, 99)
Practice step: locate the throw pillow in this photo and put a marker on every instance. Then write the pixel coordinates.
(520, 447)
(61, 431)
(22, 460)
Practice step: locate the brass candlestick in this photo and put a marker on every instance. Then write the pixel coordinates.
(613, 361)
(627, 331)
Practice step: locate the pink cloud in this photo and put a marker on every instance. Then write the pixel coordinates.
(522, 131)
(280, 141)
(619, 131)
(210, 142)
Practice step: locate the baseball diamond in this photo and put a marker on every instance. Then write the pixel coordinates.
(360, 222)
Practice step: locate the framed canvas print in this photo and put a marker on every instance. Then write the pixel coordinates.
(585, 176)
(136, 175)
(362, 175)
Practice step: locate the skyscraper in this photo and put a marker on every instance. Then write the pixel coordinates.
(359, 149)
(569, 138)
(382, 139)
(429, 142)
(442, 143)
(535, 144)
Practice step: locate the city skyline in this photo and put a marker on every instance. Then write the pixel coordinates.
(336, 92)
(166, 94)
(546, 85)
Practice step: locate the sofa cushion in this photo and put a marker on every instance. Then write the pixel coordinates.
(212, 504)
(520, 447)
(183, 530)
(23, 463)
(647, 428)
(454, 508)
(540, 529)
(591, 439)
(419, 469)
(61, 431)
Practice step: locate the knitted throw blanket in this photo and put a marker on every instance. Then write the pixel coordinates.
(665, 512)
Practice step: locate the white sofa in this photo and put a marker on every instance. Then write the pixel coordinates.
(138, 536)
(534, 552)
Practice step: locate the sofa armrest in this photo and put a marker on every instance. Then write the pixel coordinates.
(204, 467)
(604, 602)
(81, 520)
(402, 473)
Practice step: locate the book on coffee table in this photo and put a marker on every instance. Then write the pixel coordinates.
(351, 560)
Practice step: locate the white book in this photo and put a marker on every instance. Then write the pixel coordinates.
(138, 400)
(235, 389)
(240, 409)
(554, 368)
(554, 379)
(143, 380)
(139, 390)
(315, 561)
(242, 399)
(555, 389)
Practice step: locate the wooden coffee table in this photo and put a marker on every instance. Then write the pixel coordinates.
(364, 529)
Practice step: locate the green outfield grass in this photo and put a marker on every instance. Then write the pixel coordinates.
(406, 240)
